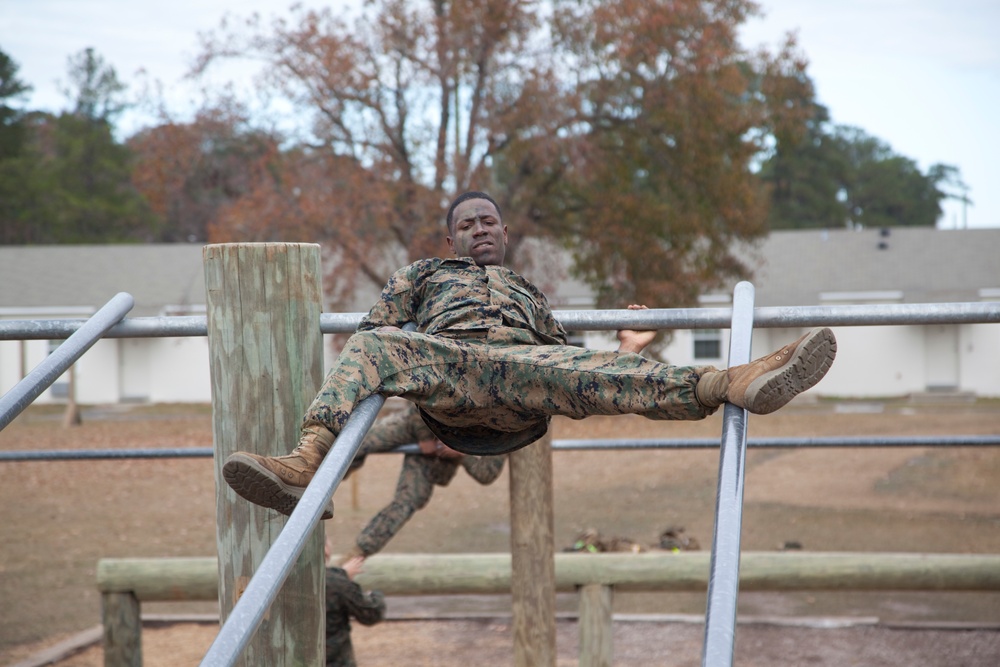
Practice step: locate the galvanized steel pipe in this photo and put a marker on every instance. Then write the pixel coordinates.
(48, 371)
(724, 573)
(576, 320)
(559, 445)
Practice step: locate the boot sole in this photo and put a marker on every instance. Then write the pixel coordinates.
(810, 362)
(255, 483)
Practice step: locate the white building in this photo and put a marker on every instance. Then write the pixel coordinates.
(73, 282)
(898, 265)
(795, 268)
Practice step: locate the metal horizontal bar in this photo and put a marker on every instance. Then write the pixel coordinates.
(134, 327)
(48, 371)
(105, 454)
(986, 312)
(860, 441)
(790, 316)
(559, 445)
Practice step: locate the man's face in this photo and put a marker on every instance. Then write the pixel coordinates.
(478, 232)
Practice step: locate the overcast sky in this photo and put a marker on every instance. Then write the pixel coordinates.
(921, 75)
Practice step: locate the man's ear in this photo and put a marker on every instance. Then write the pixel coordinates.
(451, 244)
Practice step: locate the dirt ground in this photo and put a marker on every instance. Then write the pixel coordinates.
(62, 517)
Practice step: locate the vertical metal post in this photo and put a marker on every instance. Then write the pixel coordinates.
(724, 576)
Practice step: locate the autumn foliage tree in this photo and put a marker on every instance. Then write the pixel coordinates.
(407, 106)
(672, 115)
(624, 128)
(191, 173)
(218, 179)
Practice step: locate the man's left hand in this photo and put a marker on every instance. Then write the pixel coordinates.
(437, 448)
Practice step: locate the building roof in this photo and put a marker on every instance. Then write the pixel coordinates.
(794, 268)
(158, 276)
(901, 265)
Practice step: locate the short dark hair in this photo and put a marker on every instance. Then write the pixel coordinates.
(466, 196)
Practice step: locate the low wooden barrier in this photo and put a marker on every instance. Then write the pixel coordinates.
(125, 583)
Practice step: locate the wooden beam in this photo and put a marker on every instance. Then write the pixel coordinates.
(160, 579)
(458, 574)
(125, 582)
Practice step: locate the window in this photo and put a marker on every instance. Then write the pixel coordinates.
(707, 343)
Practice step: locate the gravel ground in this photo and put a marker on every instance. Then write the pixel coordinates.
(62, 517)
(459, 643)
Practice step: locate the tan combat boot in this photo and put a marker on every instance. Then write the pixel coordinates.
(278, 482)
(769, 383)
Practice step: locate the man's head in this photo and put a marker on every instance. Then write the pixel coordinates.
(476, 230)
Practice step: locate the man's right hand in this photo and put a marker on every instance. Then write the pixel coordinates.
(630, 340)
(353, 566)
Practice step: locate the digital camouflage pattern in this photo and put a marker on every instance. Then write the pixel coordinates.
(346, 600)
(488, 364)
(419, 475)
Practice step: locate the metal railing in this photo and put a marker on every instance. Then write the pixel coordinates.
(557, 445)
(249, 610)
(48, 371)
(742, 318)
(575, 320)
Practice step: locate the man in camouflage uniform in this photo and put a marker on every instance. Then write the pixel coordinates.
(436, 465)
(488, 365)
(346, 600)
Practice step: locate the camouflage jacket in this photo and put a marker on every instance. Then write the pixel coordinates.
(419, 475)
(458, 299)
(345, 599)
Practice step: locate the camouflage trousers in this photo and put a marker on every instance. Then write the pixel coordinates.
(416, 480)
(413, 491)
(478, 382)
(391, 431)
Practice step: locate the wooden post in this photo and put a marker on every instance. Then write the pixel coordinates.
(122, 621)
(72, 415)
(533, 577)
(596, 625)
(266, 356)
